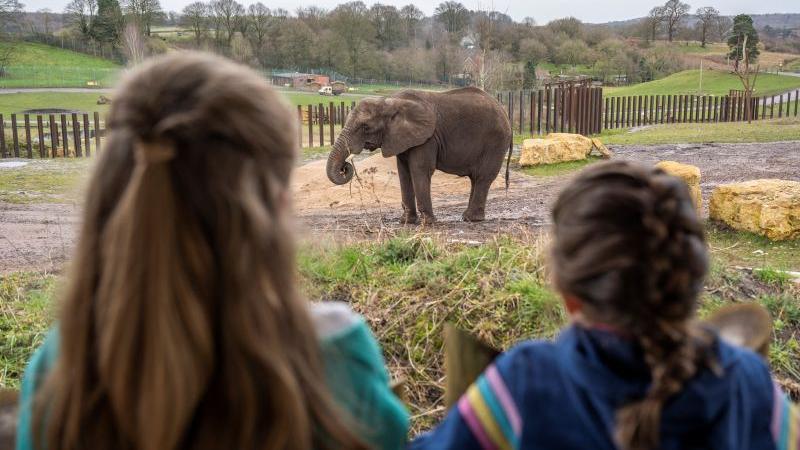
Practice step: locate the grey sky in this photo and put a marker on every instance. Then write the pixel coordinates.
(542, 11)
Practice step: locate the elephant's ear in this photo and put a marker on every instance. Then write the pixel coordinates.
(411, 123)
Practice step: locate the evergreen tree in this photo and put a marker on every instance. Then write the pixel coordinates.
(743, 26)
(529, 75)
(107, 27)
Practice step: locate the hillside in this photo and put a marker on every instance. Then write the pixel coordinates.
(714, 82)
(35, 54)
(778, 20)
(36, 65)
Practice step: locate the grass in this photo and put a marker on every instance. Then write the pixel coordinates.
(784, 129)
(25, 316)
(78, 101)
(714, 83)
(407, 286)
(51, 181)
(558, 169)
(750, 250)
(40, 65)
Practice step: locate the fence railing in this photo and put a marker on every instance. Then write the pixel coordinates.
(581, 110)
(585, 111)
(50, 135)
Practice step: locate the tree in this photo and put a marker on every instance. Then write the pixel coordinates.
(411, 16)
(570, 26)
(350, 23)
(107, 26)
(386, 22)
(743, 40)
(708, 16)
(573, 52)
(313, 16)
(259, 18)
(81, 15)
(133, 44)
(143, 13)
(674, 13)
(654, 19)
(529, 22)
(195, 17)
(10, 11)
(453, 15)
(532, 50)
(227, 14)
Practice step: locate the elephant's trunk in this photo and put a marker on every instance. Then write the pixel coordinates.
(338, 169)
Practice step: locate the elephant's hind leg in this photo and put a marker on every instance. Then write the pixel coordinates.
(406, 191)
(476, 211)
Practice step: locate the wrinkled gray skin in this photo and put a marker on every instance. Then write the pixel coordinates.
(463, 132)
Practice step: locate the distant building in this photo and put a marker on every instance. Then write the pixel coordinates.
(468, 42)
(300, 80)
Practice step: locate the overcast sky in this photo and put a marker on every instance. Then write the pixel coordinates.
(542, 11)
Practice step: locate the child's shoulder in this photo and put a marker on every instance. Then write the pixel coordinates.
(743, 364)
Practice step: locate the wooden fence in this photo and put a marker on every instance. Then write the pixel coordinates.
(321, 123)
(584, 110)
(50, 135)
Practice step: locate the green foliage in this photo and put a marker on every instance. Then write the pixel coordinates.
(529, 75)
(47, 181)
(743, 27)
(772, 276)
(714, 82)
(107, 26)
(25, 316)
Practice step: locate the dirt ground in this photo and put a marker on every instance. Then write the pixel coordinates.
(41, 236)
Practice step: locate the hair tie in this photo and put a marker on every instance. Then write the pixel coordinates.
(155, 152)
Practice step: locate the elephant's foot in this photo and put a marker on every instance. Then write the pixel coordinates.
(409, 218)
(428, 219)
(473, 216)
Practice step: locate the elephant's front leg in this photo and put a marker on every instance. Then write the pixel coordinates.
(422, 163)
(406, 190)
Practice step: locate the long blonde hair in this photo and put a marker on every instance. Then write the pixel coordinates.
(182, 326)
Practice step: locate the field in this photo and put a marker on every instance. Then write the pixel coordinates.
(715, 82)
(39, 65)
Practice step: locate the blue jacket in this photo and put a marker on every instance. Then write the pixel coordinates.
(565, 394)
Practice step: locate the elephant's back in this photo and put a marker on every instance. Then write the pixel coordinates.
(471, 104)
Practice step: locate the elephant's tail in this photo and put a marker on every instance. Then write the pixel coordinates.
(508, 162)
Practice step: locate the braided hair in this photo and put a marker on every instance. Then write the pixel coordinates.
(629, 245)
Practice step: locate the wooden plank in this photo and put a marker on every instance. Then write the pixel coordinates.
(331, 121)
(606, 109)
(539, 101)
(763, 107)
(28, 141)
(547, 106)
(300, 121)
(716, 111)
(510, 109)
(14, 136)
(86, 139)
(76, 135)
(321, 123)
(531, 111)
(310, 125)
(796, 101)
(96, 119)
(3, 148)
(53, 136)
(40, 134)
(521, 111)
(64, 135)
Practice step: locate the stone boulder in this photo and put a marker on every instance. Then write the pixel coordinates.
(559, 147)
(769, 207)
(689, 174)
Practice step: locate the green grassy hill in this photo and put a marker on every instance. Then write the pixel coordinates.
(714, 83)
(39, 65)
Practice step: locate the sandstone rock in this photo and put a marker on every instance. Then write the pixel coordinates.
(767, 207)
(688, 173)
(548, 151)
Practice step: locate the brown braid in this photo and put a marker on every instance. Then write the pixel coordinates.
(630, 246)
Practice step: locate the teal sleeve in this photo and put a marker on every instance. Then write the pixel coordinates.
(358, 378)
(40, 363)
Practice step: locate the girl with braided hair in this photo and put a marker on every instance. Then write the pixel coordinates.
(182, 326)
(634, 370)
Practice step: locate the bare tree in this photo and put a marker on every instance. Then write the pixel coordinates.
(227, 14)
(133, 44)
(529, 22)
(259, 18)
(746, 76)
(143, 12)
(655, 18)
(453, 15)
(195, 17)
(411, 16)
(81, 15)
(10, 12)
(674, 13)
(708, 16)
(349, 21)
(6, 57)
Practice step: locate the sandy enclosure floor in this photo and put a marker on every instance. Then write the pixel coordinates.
(41, 236)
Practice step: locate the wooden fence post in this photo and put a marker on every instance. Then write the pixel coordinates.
(530, 111)
(2, 137)
(521, 111)
(76, 135)
(86, 140)
(40, 129)
(64, 135)
(771, 108)
(53, 136)
(28, 142)
(617, 111)
(14, 137)
(539, 101)
(331, 120)
(96, 117)
(310, 125)
(796, 101)
(547, 106)
(511, 109)
(321, 121)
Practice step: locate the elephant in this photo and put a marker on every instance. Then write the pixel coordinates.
(463, 131)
